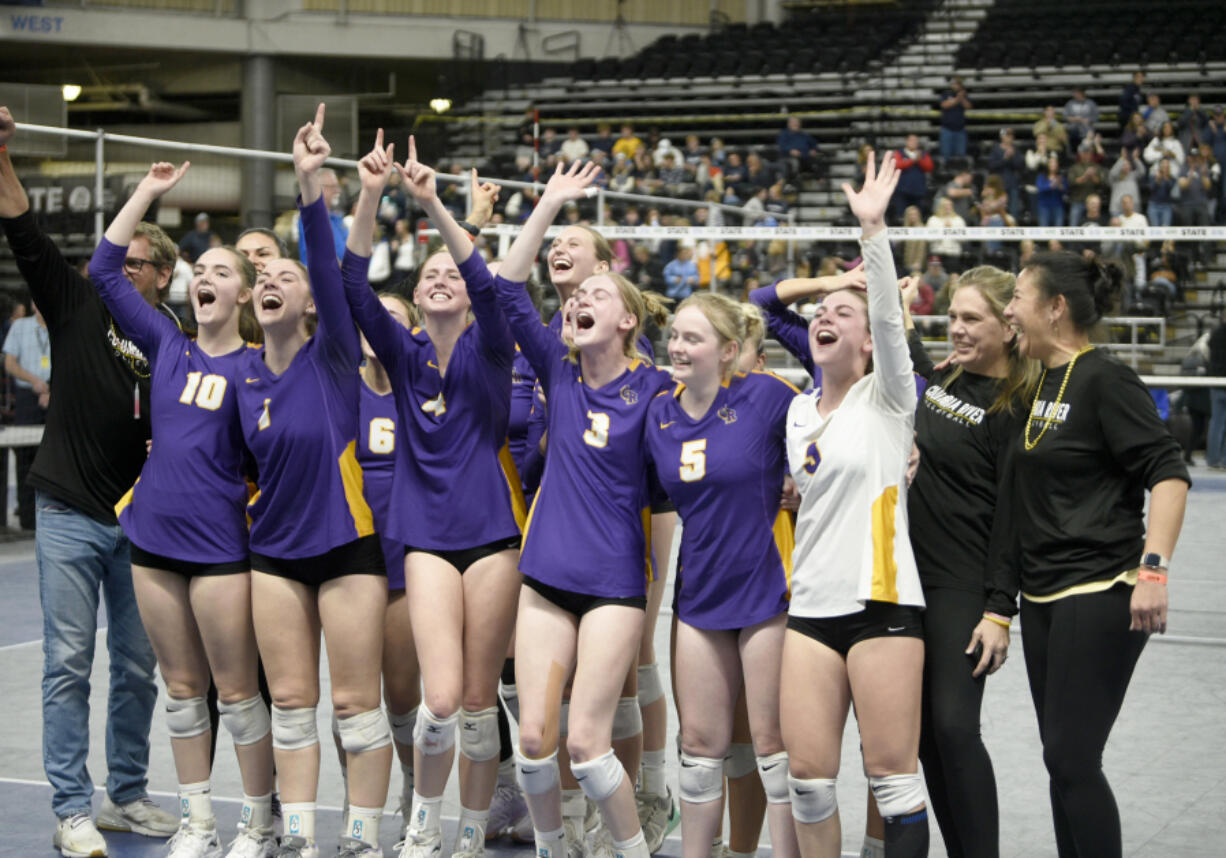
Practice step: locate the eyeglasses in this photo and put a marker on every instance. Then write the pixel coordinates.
(134, 264)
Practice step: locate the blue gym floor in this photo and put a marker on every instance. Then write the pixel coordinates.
(1166, 759)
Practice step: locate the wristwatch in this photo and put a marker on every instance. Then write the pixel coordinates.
(1154, 560)
(469, 228)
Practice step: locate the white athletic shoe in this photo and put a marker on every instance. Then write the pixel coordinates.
(296, 847)
(477, 851)
(506, 808)
(253, 843)
(352, 847)
(420, 846)
(140, 817)
(522, 831)
(406, 808)
(719, 849)
(655, 813)
(598, 843)
(76, 836)
(191, 841)
(574, 837)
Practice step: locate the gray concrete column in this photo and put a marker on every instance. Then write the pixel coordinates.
(259, 118)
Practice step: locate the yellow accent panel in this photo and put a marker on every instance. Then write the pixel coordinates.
(528, 520)
(885, 570)
(646, 516)
(785, 541)
(125, 500)
(351, 479)
(519, 507)
(1127, 577)
(774, 376)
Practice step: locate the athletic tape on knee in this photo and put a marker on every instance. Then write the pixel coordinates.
(599, 778)
(402, 726)
(773, 769)
(186, 717)
(740, 760)
(536, 777)
(651, 688)
(897, 794)
(813, 799)
(479, 734)
(247, 720)
(702, 778)
(434, 735)
(628, 719)
(294, 729)
(366, 731)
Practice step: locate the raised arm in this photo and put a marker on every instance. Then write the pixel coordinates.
(891, 360)
(563, 187)
(13, 199)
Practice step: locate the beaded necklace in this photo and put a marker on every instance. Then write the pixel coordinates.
(1055, 406)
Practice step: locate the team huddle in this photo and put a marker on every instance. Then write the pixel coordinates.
(473, 507)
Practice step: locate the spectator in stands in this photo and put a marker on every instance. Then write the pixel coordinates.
(735, 174)
(1154, 113)
(914, 250)
(1051, 190)
(1036, 160)
(627, 144)
(861, 161)
(1193, 124)
(954, 104)
(1084, 178)
(1195, 186)
(755, 208)
(645, 270)
(934, 277)
(758, 173)
(693, 153)
(775, 203)
(603, 140)
(673, 179)
(1094, 215)
(1216, 138)
(1165, 145)
(1057, 134)
(1215, 449)
(198, 240)
(1162, 195)
(914, 165)
(681, 275)
(925, 296)
(1168, 276)
(574, 147)
(1124, 179)
(330, 187)
(92, 451)
(719, 153)
(961, 192)
(993, 211)
(949, 249)
(1131, 99)
(1007, 162)
(1132, 251)
(797, 149)
(27, 361)
(1080, 116)
(550, 144)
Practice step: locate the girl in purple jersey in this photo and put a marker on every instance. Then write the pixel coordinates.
(717, 445)
(317, 562)
(189, 550)
(452, 383)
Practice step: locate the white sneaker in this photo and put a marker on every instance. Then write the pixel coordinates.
(293, 846)
(140, 817)
(476, 851)
(191, 841)
(252, 843)
(353, 847)
(573, 829)
(598, 843)
(76, 836)
(420, 846)
(507, 807)
(406, 808)
(655, 814)
(522, 831)
(719, 849)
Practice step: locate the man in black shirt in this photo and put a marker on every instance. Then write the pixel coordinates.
(92, 451)
(1215, 447)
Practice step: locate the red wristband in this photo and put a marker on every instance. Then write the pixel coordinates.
(1149, 575)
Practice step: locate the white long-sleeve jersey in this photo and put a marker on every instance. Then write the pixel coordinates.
(852, 543)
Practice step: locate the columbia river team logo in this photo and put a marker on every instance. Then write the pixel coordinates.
(728, 415)
(628, 394)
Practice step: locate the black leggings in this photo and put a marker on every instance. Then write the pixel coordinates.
(1080, 656)
(961, 783)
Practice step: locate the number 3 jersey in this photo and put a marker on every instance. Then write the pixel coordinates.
(852, 541)
(188, 503)
(724, 471)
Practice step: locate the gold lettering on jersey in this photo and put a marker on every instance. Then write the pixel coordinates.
(128, 352)
(436, 406)
(1053, 413)
(937, 399)
(628, 394)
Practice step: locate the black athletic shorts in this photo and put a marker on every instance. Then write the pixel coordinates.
(877, 620)
(580, 603)
(140, 557)
(464, 557)
(362, 556)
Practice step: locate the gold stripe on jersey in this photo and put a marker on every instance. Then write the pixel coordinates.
(785, 541)
(124, 501)
(519, 507)
(650, 567)
(1127, 577)
(351, 479)
(885, 569)
(532, 510)
(767, 372)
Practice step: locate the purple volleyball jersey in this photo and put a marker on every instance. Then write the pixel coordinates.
(376, 448)
(725, 473)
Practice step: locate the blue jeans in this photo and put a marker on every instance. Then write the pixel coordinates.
(1076, 213)
(1051, 215)
(953, 143)
(1215, 445)
(77, 557)
(1161, 214)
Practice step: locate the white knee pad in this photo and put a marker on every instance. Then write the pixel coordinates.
(651, 688)
(599, 778)
(247, 720)
(702, 778)
(897, 794)
(434, 735)
(740, 761)
(403, 726)
(479, 734)
(186, 717)
(564, 720)
(536, 777)
(628, 719)
(293, 729)
(813, 799)
(366, 731)
(773, 770)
